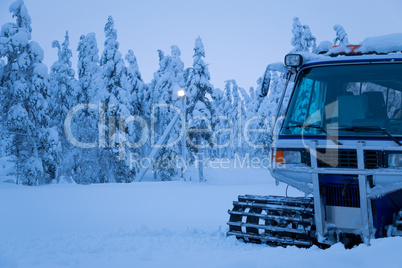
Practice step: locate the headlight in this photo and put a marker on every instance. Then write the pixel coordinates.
(288, 157)
(293, 60)
(395, 160)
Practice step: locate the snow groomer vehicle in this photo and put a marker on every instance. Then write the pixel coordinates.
(340, 142)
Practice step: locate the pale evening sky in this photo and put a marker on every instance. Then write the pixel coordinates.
(240, 37)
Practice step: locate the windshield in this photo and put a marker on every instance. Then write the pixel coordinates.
(338, 99)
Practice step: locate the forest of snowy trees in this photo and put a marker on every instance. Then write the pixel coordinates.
(86, 123)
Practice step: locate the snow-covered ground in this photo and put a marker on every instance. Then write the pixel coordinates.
(154, 224)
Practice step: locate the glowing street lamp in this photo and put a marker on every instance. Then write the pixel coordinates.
(182, 94)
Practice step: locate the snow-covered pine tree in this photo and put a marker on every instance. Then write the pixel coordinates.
(82, 164)
(236, 112)
(302, 40)
(220, 122)
(88, 68)
(113, 68)
(308, 41)
(176, 68)
(253, 107)
(253, 104)
(168, 80)
(161, 93)
(266, 107)
(139, 102)
(135, 84)
(117, 99)
(24, 114)
(198, 86)
(62, 93)
(297, 32)
(62, 85)
(228, 137)
(3, 135)
(341, 36)
(197, 78)
(240, 116)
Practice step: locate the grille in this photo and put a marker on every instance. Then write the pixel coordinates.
(340, 190)
(346, 158)
(374, 159)
(342, 195)
(333, 158)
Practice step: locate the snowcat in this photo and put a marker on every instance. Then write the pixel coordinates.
(339, 141)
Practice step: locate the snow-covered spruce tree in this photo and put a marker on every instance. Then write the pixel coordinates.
(341, 36)
(220, 123)
(176, 67)
(234, 109)
(265, 106)
(308, 41)
(168, 80)
(3, 136)
(117, 99)
(297, 32)
(62, 93)
(88, 68)
(258, 97)
(139, 101)
(62, 89)
(224, 107)
(268, 109)
(302, 40)
(135, 85)
(82, 164)
(253, 103)
(112, 63)
(24, 90)
(238, 114)
(198, 104)
(159, 117)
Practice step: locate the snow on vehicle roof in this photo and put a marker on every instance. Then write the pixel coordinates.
(385, 47)
(382, 44)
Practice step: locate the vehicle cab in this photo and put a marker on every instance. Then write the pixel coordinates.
(340, 140)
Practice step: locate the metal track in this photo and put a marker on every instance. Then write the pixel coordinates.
(273, 220)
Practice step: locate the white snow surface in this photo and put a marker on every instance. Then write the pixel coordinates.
(391, 44)
(154, 224)
(382, 44)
